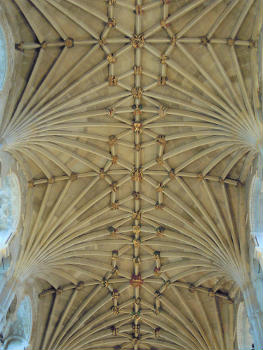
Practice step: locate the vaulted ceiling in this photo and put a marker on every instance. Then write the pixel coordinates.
(136, 125)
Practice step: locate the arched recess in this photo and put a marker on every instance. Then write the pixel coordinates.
(7, 59)
(3, 58)
(244, 338)
(256, 212)
(15, 343)
(17, 331)
(253, 292)
(10, 207)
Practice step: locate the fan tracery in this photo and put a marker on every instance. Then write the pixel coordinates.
(138, 126)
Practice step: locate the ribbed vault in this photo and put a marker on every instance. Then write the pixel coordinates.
(136, 124)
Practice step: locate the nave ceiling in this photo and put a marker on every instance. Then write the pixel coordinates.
(136, 125)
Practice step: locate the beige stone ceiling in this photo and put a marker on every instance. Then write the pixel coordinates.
(136, 125)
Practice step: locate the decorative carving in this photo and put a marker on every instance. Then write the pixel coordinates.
(160, 231)
(115, 310)
(111, 22)
(136, 195)
(113, 231)
(73, 177)
(51, 180)
(31, 184)
(136, 92)
(164, 24)
(115, 205)
(137, 301)
(80, 285)
(113, 81)
(43, 45)
(172, 174)
(105, 283)
(159, 160)
(231, 42)
(161, 140)
(137, 109)
(111, 59)
(162, 81)
(114, 187)
(59, 290)
(136, 242)
(115, 254)
(163, 59)
(160, 188)
(20, 46)
(114, 159)
(138, 10)
(111, 112)
(138, 147)
(114, 330)
(137, 41)
(211, 293)
(136, 229)
(159, 205)
(137, 70)
(137, 175)
(136, 281)
(204, 40)
(173, 40)
(136, 260)
(102, 174)
(192, 288)
(163, 111)
(102, 42)
(157, 332)
(69, 43)
(137, 127)
(200, 176)
(112, 140)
